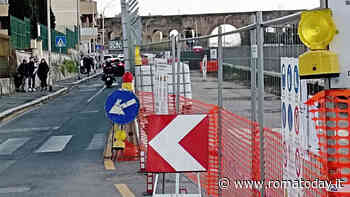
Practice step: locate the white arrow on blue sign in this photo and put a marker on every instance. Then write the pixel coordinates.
(122, 106)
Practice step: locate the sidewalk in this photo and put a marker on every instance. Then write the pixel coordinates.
(11, 104)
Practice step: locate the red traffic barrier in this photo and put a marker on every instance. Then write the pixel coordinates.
(127, 77)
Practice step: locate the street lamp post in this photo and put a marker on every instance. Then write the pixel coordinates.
(49, 42)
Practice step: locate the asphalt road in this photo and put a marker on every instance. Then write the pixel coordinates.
(56, 149)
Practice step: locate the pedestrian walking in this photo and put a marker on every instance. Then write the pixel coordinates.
(22, 75)
(31, 74)
(119, 137)
(87, 66)
(43, 70)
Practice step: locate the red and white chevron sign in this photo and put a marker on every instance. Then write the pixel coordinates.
(177, 143)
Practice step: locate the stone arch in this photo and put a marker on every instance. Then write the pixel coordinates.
(157, 35)
(173, 32)
(232, 40)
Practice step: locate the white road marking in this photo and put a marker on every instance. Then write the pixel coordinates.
(28, 129)
(11, 145)
(99, 92)
(89, 112)
(55, 144)
(167, 144)
(98, 142)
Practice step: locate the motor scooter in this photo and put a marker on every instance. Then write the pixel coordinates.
(108, 76)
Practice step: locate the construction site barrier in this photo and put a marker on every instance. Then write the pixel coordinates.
(331, 116)
(240, 151)
(212, 66)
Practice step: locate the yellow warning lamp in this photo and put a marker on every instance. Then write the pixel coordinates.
(316, 30)
(138, 59)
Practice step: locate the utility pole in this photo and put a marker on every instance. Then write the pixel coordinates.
(49, 42)
(125, 34)
(78, 25)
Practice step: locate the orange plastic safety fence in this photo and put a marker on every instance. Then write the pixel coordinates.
(212, 66)
(331, 115)
(240, 150)
(313, 170)
(237, 153)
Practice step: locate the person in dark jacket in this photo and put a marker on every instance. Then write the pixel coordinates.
(42, 72)
(21, 75)
(31, 74)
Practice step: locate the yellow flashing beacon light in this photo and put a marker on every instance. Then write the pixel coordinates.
(316, 30)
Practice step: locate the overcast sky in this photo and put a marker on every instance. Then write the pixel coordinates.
(171, 7)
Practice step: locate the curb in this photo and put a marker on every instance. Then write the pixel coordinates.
(24, 107)
(85, 79)
(21, 108)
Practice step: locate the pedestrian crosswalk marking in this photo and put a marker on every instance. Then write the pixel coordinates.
(55, 144)
(11, 145)
(97, 142)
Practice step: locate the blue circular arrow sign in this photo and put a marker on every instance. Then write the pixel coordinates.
(289, 78)
(122, 106)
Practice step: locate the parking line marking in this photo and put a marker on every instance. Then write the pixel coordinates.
(109, 164)
(124, 190)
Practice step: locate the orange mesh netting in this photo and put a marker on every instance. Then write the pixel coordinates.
(331, 115)
(239, 149)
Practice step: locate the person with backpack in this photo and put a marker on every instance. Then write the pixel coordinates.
(42, 72)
